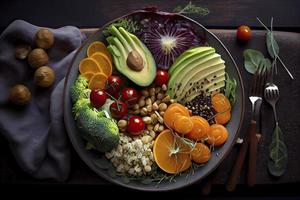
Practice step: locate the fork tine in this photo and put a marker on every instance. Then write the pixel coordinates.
(258, 83)
(254, 83)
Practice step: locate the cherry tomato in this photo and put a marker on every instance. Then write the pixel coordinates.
(118, 109)
(244, 33)
(113, 86)
(98, 98)
(162, 77)
(130, 96)
(135, 125)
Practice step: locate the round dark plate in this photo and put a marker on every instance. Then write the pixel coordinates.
(218, 155)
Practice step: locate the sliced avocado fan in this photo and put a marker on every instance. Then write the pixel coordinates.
(121, 44)
(196, 70)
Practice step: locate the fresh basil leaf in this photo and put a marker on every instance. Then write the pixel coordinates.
(272, 45)
(102, 163)
(252, 60)
(278, 154)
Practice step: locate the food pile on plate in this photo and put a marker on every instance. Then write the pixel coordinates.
(152, 97)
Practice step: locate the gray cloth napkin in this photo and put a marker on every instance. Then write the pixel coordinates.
(36, 132)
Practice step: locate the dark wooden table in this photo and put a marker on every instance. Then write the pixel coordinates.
(95, 13)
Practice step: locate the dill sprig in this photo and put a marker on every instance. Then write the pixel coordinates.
(190, 8)
(129, 25)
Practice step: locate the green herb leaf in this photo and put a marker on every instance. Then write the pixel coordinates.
(112, 172)
(272, 45)
(147, 181)
(230, 89)
(130, 25)
(102, 163)
(252, 60)
(125, 179)
(190, 8)
(278, 154)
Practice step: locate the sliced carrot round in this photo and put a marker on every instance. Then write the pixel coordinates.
(223, 118)
(220, 102)
(183, 125)
(172, 113)
(218, 135)
(201, 153)
(168, 157)
(98, 81)
(200, 129)
(103, 62)
(88, 75)
(89, 65)
(98, 47)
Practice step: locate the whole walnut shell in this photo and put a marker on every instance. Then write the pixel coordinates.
(37, 58)
(19, 95)
(44, 38)
(44, 76)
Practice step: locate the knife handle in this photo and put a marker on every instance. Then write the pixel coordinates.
(251, 180)
(237, 168)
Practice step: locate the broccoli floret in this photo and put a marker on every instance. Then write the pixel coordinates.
(97, 129)
(79, 89)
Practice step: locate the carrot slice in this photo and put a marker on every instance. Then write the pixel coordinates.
(98, 81)
(201, 153)
(98, 47)
(200, 129)
(167, 156)
(89, 65)
(218, 135)
(173, 112)
(223, 118)
(183, 125)
(220, 102)
(103, 62)
(88, 75)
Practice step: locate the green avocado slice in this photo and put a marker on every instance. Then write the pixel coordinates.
(182, 75)
(121, 43)
(184, 58)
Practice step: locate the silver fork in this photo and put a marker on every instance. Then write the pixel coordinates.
(250, 141)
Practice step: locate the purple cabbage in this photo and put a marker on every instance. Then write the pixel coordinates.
(167, 40)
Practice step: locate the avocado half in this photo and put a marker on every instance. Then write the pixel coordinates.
(121, 43)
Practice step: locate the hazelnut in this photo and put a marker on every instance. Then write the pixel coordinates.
(135, 61)
(22, 51)
(19, 95)
(44, 38)
(44, 76)
(37, 58)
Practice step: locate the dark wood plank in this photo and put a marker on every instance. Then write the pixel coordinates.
(95, 13)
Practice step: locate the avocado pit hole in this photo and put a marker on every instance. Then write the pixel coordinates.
(135, 61)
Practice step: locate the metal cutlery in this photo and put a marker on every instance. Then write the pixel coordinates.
(250, 142)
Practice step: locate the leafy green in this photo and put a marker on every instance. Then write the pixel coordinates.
(230, 89)
(278, 154)
(190, 8)
(273, 47)
(129, 25)
(254, 60)
(102, 163)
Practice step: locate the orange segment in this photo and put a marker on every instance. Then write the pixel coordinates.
(88, 75)
(220, 102)
(167, 156)
(173, 112)
(201, 153)
(200, 129)
(223, 118)
(103, 62)
(89, 65)
(98, 81)
(98, 47)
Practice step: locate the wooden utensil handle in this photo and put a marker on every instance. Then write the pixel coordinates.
(251, 180)
(237, 168)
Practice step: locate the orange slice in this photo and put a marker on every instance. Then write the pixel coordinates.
(98, 47)
(173, 112)
(218, 135)
(103, 62)
(166, 155)
(89, 65)
(200, 129)
(98, 81)
(183, 125)
(88, 75)
(201, 153)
